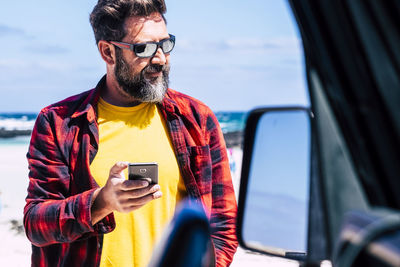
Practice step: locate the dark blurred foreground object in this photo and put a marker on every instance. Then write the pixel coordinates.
(370, 239)
(186, 241)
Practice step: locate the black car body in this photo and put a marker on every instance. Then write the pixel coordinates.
(353, 72)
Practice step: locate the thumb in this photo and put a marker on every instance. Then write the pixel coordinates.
(117, 169)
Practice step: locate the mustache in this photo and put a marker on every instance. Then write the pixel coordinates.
(155, 68)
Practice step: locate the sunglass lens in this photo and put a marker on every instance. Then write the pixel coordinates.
(145, 50)
(168, 45)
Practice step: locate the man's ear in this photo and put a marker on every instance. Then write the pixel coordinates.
(107, 52)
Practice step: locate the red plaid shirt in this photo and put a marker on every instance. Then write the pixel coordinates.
(64, 143)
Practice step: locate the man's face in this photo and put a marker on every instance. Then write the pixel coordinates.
(144, 79)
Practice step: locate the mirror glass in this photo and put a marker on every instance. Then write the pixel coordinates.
(277, 200)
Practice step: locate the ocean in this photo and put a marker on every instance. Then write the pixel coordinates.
(17, 121)
(231, 121)
(15, 127)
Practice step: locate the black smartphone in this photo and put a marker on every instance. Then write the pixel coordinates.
(144, 170)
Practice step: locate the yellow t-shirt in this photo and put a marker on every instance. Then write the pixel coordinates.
(136, 134)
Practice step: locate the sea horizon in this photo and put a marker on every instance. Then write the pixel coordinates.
(13, 124)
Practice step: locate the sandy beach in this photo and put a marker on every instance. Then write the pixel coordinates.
(15, 249)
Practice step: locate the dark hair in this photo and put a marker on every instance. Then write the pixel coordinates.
(108, 16)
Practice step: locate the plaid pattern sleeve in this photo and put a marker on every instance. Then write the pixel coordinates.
(50, 216)
(57, 216)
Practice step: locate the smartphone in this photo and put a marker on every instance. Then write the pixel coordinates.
(144, 170)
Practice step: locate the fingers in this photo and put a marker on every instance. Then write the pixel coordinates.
(141, 192)
(131, 205)
(118, 168)
(128, 185)
(127, 195)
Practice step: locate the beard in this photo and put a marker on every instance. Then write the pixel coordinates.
(137, 86)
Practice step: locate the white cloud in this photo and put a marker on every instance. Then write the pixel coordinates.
(46, 49)
(22, 66)
(7, 30)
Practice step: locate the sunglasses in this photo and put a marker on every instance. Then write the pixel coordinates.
(148, 49)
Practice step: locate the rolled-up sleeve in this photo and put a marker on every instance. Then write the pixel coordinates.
(51, 214)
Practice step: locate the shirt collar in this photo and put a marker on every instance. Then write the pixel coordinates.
(169, 104)
(88, 105)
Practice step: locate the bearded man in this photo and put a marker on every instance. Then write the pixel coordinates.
(80, 209)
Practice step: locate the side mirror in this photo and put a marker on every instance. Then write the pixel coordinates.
(275, 182)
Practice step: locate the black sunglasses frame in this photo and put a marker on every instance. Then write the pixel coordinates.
(133, 47)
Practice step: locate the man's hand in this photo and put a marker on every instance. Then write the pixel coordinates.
(121, 195)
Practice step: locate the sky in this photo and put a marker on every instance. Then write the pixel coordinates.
(233, 55)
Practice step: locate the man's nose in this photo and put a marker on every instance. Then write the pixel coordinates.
(159, 58)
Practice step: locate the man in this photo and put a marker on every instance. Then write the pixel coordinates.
(80, 210)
